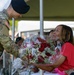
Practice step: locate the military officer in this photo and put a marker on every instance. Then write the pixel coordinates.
(15, 9)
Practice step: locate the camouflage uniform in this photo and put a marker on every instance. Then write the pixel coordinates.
(5, 41)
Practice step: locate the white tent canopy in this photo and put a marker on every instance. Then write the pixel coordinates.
(27, 26)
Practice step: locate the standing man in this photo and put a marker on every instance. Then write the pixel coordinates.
(9, 9)
(15, 9)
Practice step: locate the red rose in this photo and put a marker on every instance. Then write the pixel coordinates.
(40, 59)
(41, 40)
(41, 49)
(48, 54)
(43, 46)
(30, 56)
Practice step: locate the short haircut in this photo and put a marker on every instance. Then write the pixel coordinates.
(18, 39)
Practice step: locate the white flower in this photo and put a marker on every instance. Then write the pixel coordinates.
(17, 63)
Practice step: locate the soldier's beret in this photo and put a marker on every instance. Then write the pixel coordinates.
(20, 6)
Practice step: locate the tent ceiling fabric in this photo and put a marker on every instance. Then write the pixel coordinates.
(52, 10)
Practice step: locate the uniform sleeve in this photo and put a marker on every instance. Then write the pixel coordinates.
(68, 52)
(9, 45)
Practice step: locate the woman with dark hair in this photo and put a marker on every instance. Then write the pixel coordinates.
(65, 62)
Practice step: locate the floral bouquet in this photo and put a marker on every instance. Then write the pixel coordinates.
(37, 50)
(42, 51)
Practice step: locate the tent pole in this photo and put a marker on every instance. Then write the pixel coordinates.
(13, 28)
(41, 18)
(41, 25)
(13, 33)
